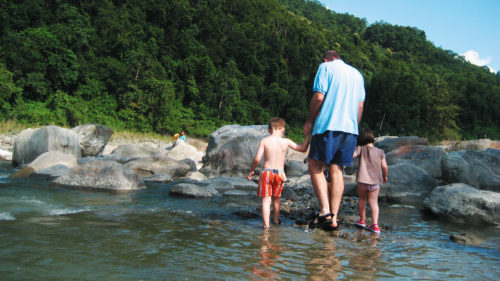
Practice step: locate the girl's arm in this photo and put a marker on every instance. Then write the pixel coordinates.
(385, 169)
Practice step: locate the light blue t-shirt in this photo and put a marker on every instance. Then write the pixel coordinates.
(344, 88)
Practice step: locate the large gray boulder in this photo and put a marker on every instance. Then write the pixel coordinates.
(478, 168)
(93, 138)
(389, 143)
(182, 151)
(231, 150)
(462, 203)
(294, 168)
(229, 183)
(425, 157)
(5, 155)
(45, 161)
(31, 143)
(101, 175)
(480, 144)
(407, 184)
(127, 152)
(164, 166)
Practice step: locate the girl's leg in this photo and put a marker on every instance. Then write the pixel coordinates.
(361, 201)
(373, 201)
(266, 210)
(276, 209)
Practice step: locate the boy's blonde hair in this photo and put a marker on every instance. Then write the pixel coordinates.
(276, 123)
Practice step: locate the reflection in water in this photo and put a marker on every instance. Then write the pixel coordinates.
(268, 255)
(364, 261)
(325, 264)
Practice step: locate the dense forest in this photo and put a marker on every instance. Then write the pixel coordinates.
(165, 66)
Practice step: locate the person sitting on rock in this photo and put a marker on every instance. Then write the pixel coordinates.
(272, 177)
(182, 136)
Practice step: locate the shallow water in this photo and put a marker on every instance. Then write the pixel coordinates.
(49, 233)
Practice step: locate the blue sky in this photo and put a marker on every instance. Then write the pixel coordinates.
(466, 27)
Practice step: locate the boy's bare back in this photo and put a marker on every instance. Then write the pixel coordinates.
(275, 151)
(273, 148)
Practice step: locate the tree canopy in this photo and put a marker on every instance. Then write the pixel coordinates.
(166, 66)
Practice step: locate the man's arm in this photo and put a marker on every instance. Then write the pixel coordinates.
(361, 105)
(314, 106)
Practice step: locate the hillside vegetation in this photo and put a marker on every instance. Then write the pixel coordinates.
(165, 66)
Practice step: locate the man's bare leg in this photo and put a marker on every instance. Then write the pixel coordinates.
(320, 185)
(336, 190)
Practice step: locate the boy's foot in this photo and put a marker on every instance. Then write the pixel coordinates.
(374, 228)
(361, 223)
(273, 222)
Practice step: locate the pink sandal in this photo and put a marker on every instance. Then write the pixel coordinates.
(361, 223)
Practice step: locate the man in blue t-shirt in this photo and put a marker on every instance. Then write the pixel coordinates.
(335, 110)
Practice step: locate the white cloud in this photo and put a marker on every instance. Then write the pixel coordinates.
(473, 57)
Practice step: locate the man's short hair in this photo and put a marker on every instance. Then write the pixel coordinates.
(365, 137)
(276, 123)
(331, 55)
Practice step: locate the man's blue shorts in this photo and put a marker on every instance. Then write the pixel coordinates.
(333, 147)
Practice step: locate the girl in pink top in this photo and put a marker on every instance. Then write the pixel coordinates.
(372, 171)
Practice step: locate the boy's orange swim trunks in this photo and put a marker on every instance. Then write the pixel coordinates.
(271, 183)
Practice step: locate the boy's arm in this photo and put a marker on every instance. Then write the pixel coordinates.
(300, 147)
(256, 160)
(385, 169)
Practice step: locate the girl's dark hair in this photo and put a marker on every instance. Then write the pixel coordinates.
(365, 137)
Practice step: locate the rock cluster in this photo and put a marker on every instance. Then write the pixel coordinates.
(454, 184)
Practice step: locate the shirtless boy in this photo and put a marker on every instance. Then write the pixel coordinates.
(272, 177)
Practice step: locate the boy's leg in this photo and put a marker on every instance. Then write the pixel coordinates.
(373, 201)
(361, 201)
(266, 211)
(276, 209)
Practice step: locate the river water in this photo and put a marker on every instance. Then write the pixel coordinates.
(49, 233)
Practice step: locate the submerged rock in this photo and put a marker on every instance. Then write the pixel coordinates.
(465, 238)
(191, 190)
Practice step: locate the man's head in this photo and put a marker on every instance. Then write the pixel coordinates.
(276, 123)
(365, 137)
(330, 56)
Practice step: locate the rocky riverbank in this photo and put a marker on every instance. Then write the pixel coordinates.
(419, 174)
